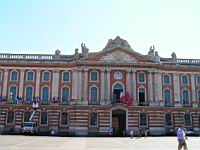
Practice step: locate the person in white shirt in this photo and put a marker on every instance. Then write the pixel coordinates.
(181, 136)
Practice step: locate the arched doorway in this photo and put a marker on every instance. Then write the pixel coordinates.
(118, 122)
(117, 89)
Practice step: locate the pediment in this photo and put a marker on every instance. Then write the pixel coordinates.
(118, 56)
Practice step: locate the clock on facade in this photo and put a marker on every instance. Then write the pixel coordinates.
(118, 75)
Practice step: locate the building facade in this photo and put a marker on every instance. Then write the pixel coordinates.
(88, 93)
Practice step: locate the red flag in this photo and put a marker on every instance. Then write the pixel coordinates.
(128, 99)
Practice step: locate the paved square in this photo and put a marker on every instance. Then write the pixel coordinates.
(13, 142)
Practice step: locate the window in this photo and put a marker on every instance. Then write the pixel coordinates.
(93, 119)
(14, 76)
(143, 119)
(185, 97)
(141, 77)
(45, 94)
(198, 80)
(187, 120)
(94, 76)
(66, 77)
(46, 76)
(27, 115)
(29, 94)
(10, 117)
(13, 92)
(166, 79)
(64, 119)
(43, 119)
(184, 80)
(1, 75)
(93, 94)
(141, 95)
(168, 119)
(30, 76)
(167, 96)
(199, 96)
(65, 94)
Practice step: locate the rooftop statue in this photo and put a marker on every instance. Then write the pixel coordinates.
(117, 43)
(76, 54)
(153, 55)
(57, 54)
(85, 50)
(174, 58)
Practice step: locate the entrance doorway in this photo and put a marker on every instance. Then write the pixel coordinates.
(119, 122)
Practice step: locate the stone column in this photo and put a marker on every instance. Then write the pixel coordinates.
(128, 81)
(37, 85)
(158, 87)
(108, 84)
(193, 100)
(150, 87)
(21, 83)
(134, 93)
(5, 82)
(102, 96)
(85, 87)
(79, 95)
(55, 83)
(176, 90)
(74, 85)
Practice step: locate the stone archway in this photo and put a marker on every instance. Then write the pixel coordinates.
(119, 121)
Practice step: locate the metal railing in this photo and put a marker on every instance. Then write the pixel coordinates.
(26, 56)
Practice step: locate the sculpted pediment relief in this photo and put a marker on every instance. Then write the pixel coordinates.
(118, 56)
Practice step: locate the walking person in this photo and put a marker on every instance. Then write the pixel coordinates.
(132, 134)
(181, 136)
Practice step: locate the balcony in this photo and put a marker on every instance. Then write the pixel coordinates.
(143, 104)
(94, 103)
(168, 104)
(187, 105)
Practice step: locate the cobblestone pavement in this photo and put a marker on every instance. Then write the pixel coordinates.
(13, 142)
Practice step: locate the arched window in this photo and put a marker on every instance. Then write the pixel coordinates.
(166, 79)
(66, 77)
(185, 97)
(46, 76)
(94, 76)
(29, 93)
(141, 77)
(93, 95)
(1, 75)
(13, 93)
(45, 94)
(64, 119)
(184, 80)
(168, 119)
(143, 119)
(141, 95)
(187, 120)
(199, 97)
(167, 96)
(198, 80)
(30, 76)
(93, 119)
(65, 94)
(14, 75)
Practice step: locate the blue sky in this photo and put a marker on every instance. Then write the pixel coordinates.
(41, 26)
